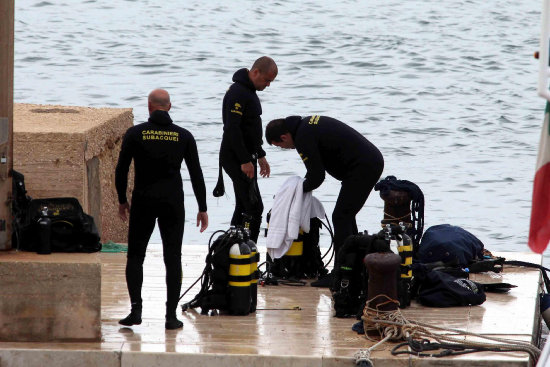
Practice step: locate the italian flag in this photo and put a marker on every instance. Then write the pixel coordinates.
(539, 231)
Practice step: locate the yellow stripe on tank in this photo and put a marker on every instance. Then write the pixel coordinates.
(239, 284)
(296, 249)
(239, 270)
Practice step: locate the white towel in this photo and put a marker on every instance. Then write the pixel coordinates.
(292, 209)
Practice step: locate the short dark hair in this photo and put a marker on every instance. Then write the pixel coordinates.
(264, 64)
(274, 130)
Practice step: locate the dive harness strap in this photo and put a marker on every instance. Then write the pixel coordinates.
(542, 269)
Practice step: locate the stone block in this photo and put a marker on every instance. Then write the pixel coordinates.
(72, 152)
(53, 297)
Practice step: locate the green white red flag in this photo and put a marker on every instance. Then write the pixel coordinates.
(539, 231)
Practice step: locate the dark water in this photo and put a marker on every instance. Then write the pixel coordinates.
(446, 90)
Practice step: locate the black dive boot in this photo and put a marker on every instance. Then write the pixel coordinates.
(134, 318)
(172, 321)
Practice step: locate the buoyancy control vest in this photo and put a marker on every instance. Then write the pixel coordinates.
(230, 271)
(303, 259)
(403, 203)
(349, 288)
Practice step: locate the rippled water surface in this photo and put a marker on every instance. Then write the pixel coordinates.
(446, 90)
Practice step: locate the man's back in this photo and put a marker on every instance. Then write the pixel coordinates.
(158, 148)
(325, 143)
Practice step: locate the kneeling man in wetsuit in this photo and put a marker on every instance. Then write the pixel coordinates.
(326, 144)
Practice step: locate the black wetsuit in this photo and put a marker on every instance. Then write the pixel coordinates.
(158, 148)
(326, 144)
(242, 143)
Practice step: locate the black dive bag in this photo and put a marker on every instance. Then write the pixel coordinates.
(450, 246)
(438, 288)
(68, 228)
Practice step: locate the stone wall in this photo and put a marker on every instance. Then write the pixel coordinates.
(72, 152)
(53, 297)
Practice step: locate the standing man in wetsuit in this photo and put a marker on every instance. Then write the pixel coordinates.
(241, 148)
(326, 144)
(158, 148)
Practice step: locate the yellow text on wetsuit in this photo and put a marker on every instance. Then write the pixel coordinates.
(160, 135)
(314, 120)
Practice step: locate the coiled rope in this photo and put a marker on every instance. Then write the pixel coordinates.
(392, 325)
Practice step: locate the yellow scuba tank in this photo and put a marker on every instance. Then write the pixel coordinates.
(293, 255)
(239, 277)
(254, 273)
(405, 251)
(297, 247)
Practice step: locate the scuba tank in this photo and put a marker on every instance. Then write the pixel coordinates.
(293, 256)
(239, 277)
(403, 202)
(290, 264)
(255, 274)
(44, 233)
(405, 250)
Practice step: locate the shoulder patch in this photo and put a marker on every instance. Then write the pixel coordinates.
(237, 109)
(314, 120)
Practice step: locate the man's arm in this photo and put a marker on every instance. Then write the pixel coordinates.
(265, 170)
(234, 106)
(197, 181)
(202, 220)
(121, 174)
(124, 211)
(309, 152)
(195, 172)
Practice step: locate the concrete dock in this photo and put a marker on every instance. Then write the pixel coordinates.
(293, 326)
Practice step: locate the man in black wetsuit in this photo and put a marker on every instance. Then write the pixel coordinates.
(326, 144)
(158, 148)
(241, 148)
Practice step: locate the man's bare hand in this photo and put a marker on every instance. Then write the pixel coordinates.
(202, 219)
(248, 169)
(265, 170)
(122, 210)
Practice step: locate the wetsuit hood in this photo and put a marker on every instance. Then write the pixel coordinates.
(160, 117)
(292, 123)
(241, 77)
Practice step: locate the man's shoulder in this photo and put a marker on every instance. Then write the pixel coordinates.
(238, 90)
(307, 130)
(182, 131)
(134, 129)
(148, 126)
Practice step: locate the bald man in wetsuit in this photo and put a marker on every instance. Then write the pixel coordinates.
(158, 148)
(241, 148)
(328, 145)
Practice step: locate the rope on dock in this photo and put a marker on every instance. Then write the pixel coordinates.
(392, 325)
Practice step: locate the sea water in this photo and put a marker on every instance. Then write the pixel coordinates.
(446, 90)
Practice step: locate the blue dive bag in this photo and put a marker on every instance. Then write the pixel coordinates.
(450, 245)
